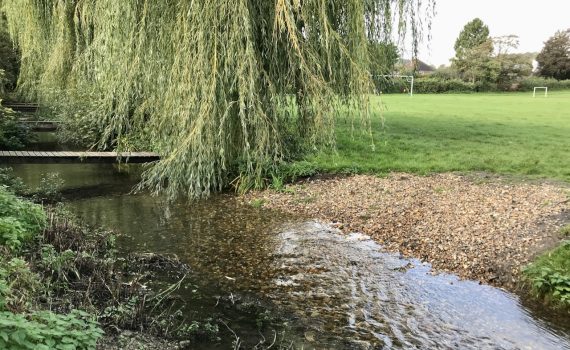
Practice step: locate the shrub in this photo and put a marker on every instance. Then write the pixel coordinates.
(390, 86)
(431, 85)
(13, 135)
(549, 275)
(14, 183)
(20, 220)
(46, 331)
(12, 233)
(529, 83)
(438, 84)
(296, 170)
(18, 285)
(49, 189)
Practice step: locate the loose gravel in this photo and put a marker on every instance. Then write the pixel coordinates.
(479, 227)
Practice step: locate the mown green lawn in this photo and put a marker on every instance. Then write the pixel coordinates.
(509, 133)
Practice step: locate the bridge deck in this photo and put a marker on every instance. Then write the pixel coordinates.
(41, 125)
(35, 157)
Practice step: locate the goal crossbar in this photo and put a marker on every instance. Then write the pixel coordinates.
(539, 88)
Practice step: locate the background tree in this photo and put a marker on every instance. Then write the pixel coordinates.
(474, 34)
(383, 57)
(477, 64)
(444, 72)
(511, 67)
(473, 53)
(554, 59)
(207, 84)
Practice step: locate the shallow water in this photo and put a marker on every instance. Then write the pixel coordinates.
(337, 291)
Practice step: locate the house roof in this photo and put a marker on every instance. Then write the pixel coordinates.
(421, 66)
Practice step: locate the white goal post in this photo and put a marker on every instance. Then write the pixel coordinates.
(538, 88)
(409, 79)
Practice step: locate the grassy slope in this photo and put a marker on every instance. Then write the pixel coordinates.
(502, 133)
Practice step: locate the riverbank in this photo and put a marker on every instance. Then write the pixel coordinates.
(336, 291)
(63, 285)
(479, 227)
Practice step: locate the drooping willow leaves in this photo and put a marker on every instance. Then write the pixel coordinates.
(217, 87)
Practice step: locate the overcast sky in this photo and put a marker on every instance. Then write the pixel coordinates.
(534, 21)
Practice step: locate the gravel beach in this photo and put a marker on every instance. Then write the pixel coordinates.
(479, 227)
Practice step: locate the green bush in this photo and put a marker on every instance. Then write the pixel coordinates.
(529, 83)
(549, 275)
(14, 183)
(20, 220)
(18, 285)
(430, 85)
(46, 331)
(12, 233)
(296, 170)
(391, 86)
(49, 189)
(437, 84)
(13, 135)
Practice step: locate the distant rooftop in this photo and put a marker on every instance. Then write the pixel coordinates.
(419, 65)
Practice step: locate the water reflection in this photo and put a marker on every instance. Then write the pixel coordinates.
(220, 238)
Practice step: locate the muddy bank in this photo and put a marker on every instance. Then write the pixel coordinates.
(480, 229)
(64, 286)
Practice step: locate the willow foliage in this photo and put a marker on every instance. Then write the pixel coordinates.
(218, 88)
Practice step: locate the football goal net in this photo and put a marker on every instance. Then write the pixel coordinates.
(393, 84)
(536, 88)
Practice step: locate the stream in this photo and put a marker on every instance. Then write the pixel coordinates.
(332, 291)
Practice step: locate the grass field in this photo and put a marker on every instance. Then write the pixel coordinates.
(510, 133)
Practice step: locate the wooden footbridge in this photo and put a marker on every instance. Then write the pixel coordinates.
(41, 157)
(35, 157)
(40, 125)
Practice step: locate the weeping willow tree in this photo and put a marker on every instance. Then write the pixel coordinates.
(218, 88)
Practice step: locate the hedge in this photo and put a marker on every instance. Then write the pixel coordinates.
(434, 85)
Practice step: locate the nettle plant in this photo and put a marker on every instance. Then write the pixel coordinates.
(20, 220)
(549, 275)
(20, 327)
(48, 331)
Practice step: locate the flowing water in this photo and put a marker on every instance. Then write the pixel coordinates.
(335, 291)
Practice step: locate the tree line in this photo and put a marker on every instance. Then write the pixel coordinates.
(491, 63)
(486, 63)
